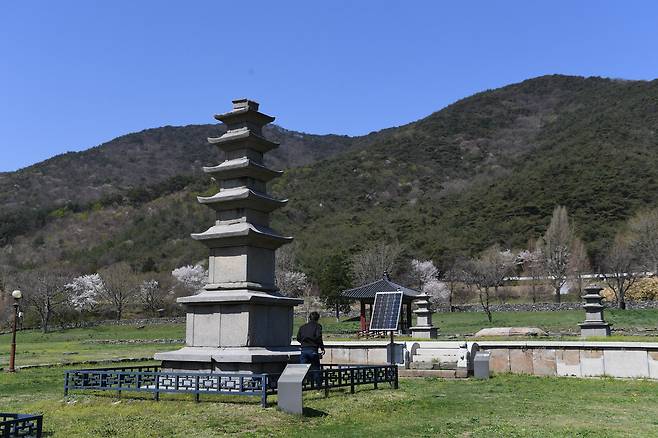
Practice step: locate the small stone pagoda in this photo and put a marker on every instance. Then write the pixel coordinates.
(594, 324)
(423, 327)
(240, 321)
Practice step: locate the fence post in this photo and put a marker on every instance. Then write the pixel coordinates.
(157, 388)
(396, 381)
(351, 380)
(66, 383)
(374, 372)
(263, 394)
(119, 390)
(196, 389)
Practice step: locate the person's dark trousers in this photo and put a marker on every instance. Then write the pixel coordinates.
(311, 355)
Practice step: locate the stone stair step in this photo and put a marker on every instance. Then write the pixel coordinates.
(432, 365)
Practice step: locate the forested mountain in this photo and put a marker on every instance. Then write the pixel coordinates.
(489, 168)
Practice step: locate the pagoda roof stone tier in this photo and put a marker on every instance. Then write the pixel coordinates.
(243, 138)
(242, 197)
(247, 110)
(240, 296)
(239, 234)
(242, 167)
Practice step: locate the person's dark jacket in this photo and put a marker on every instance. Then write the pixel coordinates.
(310, 335)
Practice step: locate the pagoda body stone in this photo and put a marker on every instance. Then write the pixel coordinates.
(240, 321)
(423, 328)
(594, 324)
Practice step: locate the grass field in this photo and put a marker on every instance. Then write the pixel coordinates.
(505, 406)
(77, 345)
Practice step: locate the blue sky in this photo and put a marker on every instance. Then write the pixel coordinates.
(74, 74)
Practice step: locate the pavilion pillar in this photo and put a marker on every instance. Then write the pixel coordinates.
(408, 325)
(363, 316)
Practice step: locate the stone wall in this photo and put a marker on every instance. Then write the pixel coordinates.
(579, 358)
(361, 353)
(540, 358)
(539, 307)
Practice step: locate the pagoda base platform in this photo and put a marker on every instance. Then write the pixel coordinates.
(424, 332)
(591, 329)
(229, 359)
(231, 330)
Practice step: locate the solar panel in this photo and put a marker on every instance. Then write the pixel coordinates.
(386, 311)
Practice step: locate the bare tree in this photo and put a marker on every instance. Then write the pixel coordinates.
(532, 261)
(579, 262)
(311, 295)
(454, 274)
(5, 296)
(156, 292)
(121, 287)
(643, 232)
(556, 249)
(44, 293)
(370, 264)
(488, 272)
(285, 261)
(619, 268)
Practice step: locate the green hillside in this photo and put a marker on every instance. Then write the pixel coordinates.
(489, 168)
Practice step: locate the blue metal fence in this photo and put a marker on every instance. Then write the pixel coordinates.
(341, 376)
(20, 425)
(151, 379)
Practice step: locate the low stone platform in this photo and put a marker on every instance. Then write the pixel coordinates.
(574, 358)
(444, 374)
(510, 331)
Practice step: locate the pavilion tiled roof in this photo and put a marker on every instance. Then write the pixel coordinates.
(382, 285)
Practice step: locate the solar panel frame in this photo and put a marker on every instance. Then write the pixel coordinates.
(386, 311)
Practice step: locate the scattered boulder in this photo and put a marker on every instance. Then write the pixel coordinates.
(510, 331)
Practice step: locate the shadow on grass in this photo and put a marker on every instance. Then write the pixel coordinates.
(168, 397)
(313, 413)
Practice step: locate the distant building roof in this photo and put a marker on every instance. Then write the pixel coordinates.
(382, 285)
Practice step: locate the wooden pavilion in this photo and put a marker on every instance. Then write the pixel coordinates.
(366, 296)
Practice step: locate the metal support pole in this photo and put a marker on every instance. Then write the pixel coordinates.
(12, 352)
(392, 348)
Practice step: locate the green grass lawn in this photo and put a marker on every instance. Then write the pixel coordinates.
(75, 345)
(566, 320)
(505, 406)
(34, 347)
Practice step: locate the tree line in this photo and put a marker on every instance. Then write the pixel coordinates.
(550, 260)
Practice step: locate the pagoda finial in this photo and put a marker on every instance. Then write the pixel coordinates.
(244, 103)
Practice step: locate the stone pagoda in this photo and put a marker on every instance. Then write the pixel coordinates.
(240, 321)
(594, 324)
(423, 327)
